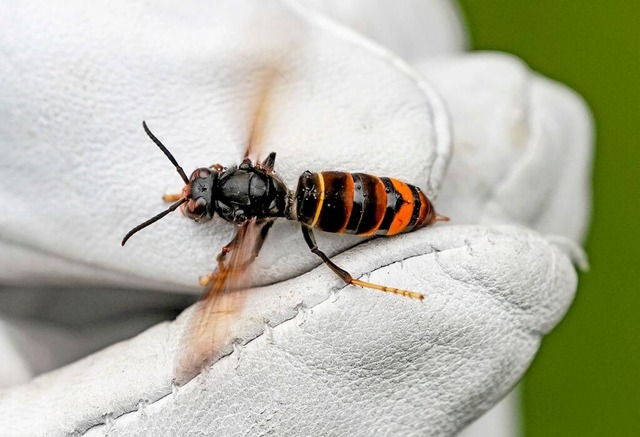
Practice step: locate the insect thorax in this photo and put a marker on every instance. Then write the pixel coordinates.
(243, 194)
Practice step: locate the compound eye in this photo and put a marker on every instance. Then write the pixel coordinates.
(196, 208)
(203, 172)
(200, 207)
(200, 173)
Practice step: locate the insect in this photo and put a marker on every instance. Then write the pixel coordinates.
(252, 196)
(338, 202)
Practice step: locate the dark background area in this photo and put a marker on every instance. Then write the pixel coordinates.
(585, 380)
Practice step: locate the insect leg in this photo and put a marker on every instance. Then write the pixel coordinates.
(220, 259)
(260, 239)
(226, 249)
(264, 231)
(171, 197)
(346, 276)
(268, 163)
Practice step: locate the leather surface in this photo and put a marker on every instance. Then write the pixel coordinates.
(372, 361)
(77, 81)
(527, 160)
(98, 175)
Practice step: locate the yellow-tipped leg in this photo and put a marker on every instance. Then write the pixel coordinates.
(310, 239)
(228, 273)
(405, 293)
(171, 197)
(207, 279)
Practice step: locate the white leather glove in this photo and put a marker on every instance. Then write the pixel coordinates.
(311, 356)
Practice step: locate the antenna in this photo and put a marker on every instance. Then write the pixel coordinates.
(172, 207)
(153, 219)
(166, 152)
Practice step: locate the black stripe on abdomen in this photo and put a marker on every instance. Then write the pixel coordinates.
(369, 205)
(358, 204)
(394, 201)
(415, 215)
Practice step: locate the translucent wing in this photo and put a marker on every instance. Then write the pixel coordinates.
(261, 104)
(208, 329)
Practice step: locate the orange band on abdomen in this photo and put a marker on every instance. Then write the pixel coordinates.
(403, 214)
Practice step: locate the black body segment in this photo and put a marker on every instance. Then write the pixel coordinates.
(374, 204)
(394, 202)
(307, 196)
(353, 221)
(244, 193)
(337, 202)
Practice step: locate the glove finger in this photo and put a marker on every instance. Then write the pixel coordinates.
(374, 361)
(523, 145)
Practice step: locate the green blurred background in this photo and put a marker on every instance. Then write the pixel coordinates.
(586, 378)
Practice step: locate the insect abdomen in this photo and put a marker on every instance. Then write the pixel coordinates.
(361, 204)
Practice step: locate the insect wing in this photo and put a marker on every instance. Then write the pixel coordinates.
(208, 329)
(261, 104)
